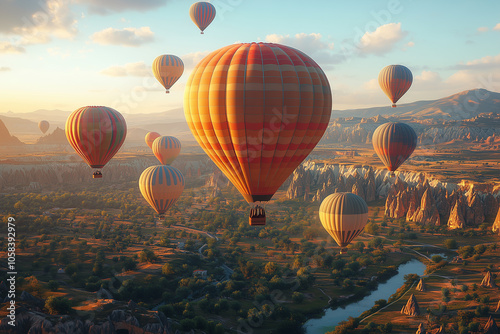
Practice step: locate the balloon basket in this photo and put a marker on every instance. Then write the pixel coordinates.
(257, 216)
(343, 250)
(393, 175)
(394, 105)
(167, 92)
(97, 175)
(202, 33)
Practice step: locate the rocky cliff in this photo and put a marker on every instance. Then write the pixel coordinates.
(413, 196)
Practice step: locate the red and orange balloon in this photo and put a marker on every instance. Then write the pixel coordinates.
(96, 134)
(257, 110)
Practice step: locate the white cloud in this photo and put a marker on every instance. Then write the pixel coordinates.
(482, 29)
(117, 6)
(371, 85)
(192, 59)
(138, 69)
(125, 37)
(36, 22)
(57, 52)
(497, 27)
(5, 69)
(313, 44)
(410, 44)
(7, 47)
(487, 62)
(382, 40)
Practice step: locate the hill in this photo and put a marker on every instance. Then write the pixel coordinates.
(6, 139)
(58, 137)
(460, 106)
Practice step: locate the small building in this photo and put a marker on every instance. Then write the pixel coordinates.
(200, 273)
(60, 271)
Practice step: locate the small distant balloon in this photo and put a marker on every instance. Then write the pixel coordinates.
(150, 138)
(344, 216)
(167, 69)
(394, 142)
(202, 14)
(161, 186)
(43, 126)
(166, 149)
(395, 80)
(96, 134)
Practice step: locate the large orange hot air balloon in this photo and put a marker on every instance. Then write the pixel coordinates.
(96, 134)
(257, 110)
(394, 143)
(43, 126)
(150, 138)
(166, 149)
(161, 186)
(344, 216)
(202, 13)
(167, 70)
(395, 80)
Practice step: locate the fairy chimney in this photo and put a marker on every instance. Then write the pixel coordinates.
(491, 326)
(411, 308)
(421, 285)
(488, 281)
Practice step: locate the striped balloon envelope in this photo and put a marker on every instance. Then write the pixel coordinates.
(395, 80)
(257, 110)
(394, 143)
(161, 186)
(166, 149)
(202, 13)
(96, 134)
(150, 138)
(344, 216)
(167, 69)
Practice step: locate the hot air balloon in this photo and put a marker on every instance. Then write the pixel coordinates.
(202, 13)
(166, 149)
(167, 70)
(257, 110)
(344, 216)
(96, 134)
(150, 138)
(43, 126)
(395, 80)
(394, 143)
(161, 186)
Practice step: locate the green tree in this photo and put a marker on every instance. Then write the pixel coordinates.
(57, 305)
(53, 285)
(450, 243)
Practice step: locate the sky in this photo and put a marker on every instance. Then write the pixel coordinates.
(65, 54)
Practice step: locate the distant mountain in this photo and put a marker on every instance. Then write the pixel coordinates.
(5, 137)
(58, 137)
(464, 105)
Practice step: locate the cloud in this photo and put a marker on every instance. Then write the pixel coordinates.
(7, 47)
(138, 69)
(487, 63)
(57, 52)
(192, 59)
(312, 44)
(382, 40)
(117, 6)
(410, 44)
(482, 29)
(36, 22)
(125, 37)
(497, 27)
(5, 69)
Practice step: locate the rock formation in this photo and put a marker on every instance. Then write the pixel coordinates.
(411, 308)
(491, 326)
(421, 285)
(496, 224)
(488, 281)
(421, 329)
(498, 307)
(456, 219)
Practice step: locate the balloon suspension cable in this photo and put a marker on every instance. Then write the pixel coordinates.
(394, 105)
(97, 174)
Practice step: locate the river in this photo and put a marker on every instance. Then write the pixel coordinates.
(384, 290)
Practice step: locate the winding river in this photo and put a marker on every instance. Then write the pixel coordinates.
(384, 290)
